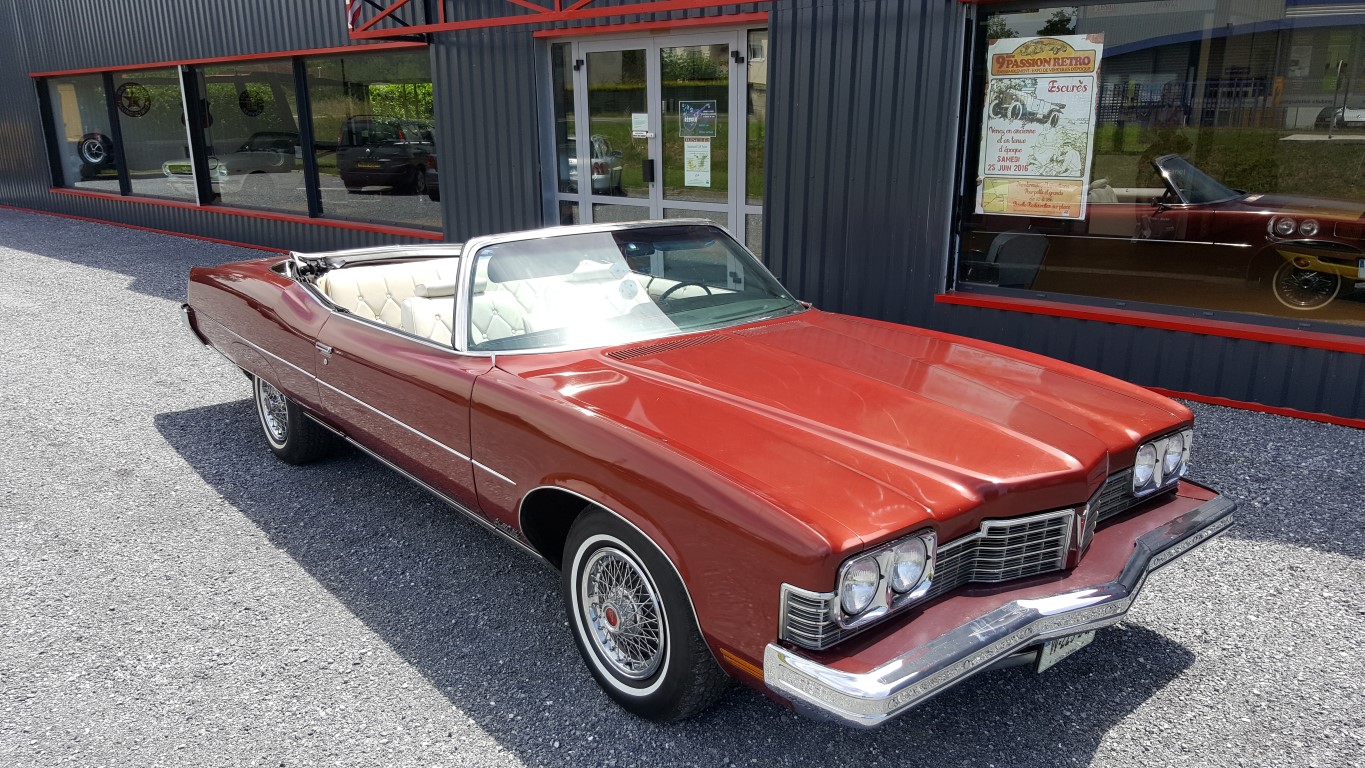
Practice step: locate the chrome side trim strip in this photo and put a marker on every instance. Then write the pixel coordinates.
(404, 425)
(495, 473)
(266, 352)
(353, 398)
(872, 698)
(466, 511)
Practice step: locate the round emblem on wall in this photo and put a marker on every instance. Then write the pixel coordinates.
(251, 104)
(133, 100)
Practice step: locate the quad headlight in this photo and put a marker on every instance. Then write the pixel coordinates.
(858, 587)
(1161, 462)
(1284, 227)
(1308, 228)
(875, 583)
(908, 561)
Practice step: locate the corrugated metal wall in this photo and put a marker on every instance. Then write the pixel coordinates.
(863, 106)
(487, 117)
(862, 99)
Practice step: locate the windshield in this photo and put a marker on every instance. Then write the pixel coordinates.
(580, 290)
(1189, 184)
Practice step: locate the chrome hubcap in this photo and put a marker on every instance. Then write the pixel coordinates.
(274, 411)
(621, 613)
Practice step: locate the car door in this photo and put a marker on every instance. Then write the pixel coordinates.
(404, 398)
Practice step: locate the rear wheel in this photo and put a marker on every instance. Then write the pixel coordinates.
(417, 182)
(1304, 290)
(633, 623)
(293, 437)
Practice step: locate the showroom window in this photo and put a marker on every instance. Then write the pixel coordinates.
(373, 136)
(1205, 155)
(84, 145)
(251, 137)
(357, 143)
(151, 118)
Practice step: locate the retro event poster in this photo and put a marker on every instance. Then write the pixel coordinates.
(1039, 126)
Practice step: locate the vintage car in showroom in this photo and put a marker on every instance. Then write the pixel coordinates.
(262, 152)
(846, 514)
(1295, 252)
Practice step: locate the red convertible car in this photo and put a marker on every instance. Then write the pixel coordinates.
(847, 514)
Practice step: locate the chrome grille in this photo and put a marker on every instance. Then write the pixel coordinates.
(1116, 496)
(1004, 550)
(999, 551)
(808, 619)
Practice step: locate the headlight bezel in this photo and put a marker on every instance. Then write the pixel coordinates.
(886, 599)
(1162, 477)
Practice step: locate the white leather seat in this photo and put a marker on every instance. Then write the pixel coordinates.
(377, 292)
(429, 318)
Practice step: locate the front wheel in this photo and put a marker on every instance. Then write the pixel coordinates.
(293, 437)
(633, 622)
(1304, 290)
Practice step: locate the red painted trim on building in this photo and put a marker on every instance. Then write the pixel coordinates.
(384, 13)
(251, 214)
(144, 229)
(229, 59)
(572, 13)
(759, 17)
(1222, 328)
(1325, 418)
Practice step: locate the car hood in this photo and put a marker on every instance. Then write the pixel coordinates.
(878, 427)
(1307, 206)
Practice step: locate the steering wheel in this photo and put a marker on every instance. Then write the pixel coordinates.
(674, 289)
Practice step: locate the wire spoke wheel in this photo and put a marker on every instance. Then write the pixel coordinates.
(1304, 289)
(274, 410)
(622, 614)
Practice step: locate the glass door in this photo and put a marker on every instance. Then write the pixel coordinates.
(671, 130)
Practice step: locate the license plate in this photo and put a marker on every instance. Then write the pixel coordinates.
(1056, 650)
(367, 165)
(1360, 269)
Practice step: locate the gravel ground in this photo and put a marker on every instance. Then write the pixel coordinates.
(174, 596)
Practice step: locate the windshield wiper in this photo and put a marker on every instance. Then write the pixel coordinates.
(761, 315)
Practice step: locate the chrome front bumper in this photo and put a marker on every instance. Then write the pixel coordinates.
(871, 698)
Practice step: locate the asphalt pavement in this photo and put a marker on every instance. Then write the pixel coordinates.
(171, 595)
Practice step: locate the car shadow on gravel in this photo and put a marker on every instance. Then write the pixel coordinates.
(159, 264)
(483, 622)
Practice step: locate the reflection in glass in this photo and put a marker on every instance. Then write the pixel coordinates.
(618, 213)
(152, 123)
(566, 136)
(756, 128)
(753, 234)
(616, 93)
(696, 122)
(1225, 171)
(255, 158)
(373, 134)
(568, 212)
(686, 213)
(81, 117)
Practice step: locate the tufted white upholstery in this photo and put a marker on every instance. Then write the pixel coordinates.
(377, 292)
(431, 318)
